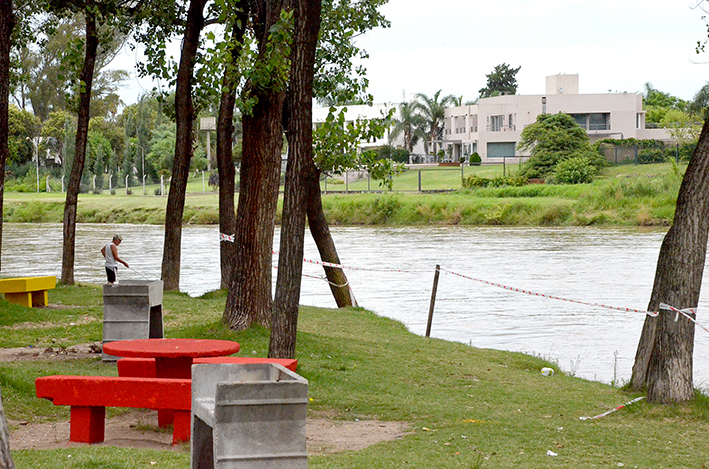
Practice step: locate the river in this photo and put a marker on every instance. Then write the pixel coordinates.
(612, 266)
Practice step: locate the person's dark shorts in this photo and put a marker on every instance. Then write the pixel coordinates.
(111, 274)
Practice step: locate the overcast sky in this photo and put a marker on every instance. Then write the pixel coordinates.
(616, 45)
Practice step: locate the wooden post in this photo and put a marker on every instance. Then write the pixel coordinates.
(433, 300)
(419, 180)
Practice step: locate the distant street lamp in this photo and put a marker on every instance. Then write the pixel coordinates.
(142, 158)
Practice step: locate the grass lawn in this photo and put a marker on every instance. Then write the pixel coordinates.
(466, 407)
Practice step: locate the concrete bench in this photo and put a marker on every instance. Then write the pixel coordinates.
(89, 396)
(248, 416)
(27, 291)
(145, 367)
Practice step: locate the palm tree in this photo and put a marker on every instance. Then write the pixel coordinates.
(411, 124)
(433, 111)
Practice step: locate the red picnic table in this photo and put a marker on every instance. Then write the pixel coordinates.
(173, 358)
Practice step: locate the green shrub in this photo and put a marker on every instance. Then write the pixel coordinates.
(577, 170)
(475, 159)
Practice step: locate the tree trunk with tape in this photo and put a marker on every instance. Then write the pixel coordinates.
(249, 300)
(320, 231)
(225, 159)
(5, 456)
(663, 362)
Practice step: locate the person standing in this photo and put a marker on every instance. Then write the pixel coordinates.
(110, 252)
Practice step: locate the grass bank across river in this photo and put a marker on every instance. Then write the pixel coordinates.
(626, 195)
(465, 407)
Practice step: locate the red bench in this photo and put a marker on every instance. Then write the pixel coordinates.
(145, 367)
(89, 396)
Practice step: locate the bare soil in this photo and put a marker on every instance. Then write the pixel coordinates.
(137, 428)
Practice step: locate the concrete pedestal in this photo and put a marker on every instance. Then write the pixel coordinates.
(132, 309)
(248, 416)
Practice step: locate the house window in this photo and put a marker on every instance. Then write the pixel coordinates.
(496, 123)
(593, 121)
(500, 149)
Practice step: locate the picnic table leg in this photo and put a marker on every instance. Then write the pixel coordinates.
(22, 298)
(181, 430)
(171, 368)
(87, 424)
(40, 298)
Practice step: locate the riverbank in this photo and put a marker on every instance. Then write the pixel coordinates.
(625, 196)
(463, 407)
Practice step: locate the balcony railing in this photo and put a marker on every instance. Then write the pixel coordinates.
(604, 126)
(501, 128)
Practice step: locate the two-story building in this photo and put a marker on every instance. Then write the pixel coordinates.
(492, 127)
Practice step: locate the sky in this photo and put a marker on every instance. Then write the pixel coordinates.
(613, 45)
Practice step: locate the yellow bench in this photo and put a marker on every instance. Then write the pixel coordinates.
(27, 291)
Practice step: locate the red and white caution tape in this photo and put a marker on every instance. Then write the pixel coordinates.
(226, 237)
(613, 410)
(542, 295)
(364, 269)
(684, 312)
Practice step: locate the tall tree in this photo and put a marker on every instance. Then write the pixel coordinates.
(501, 81)
(91, 40)
(225, 131)
(663, 361)
(299, 131)
(433, 110)
(7, 23)
(184, 116)
(249, 300)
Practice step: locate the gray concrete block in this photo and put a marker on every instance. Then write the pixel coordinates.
(132, 309)
(248, 416)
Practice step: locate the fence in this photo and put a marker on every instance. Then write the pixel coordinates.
(646, 153)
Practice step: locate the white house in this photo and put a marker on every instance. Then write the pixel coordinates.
(492, 127)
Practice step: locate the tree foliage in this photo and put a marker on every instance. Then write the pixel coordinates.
(410, 124)
(433, 110)
(501, 81)
(554, 138)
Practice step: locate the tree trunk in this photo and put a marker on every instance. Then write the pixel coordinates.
(82, 130)
(225, 159)
(249, 299)
(319, 229)
(300, 159)
(184, 116)
(5, 456)
(7, 23)
(663, 361)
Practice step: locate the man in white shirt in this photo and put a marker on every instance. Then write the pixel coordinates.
(110, 252)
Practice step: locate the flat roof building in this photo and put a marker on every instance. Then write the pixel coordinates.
(492, 127)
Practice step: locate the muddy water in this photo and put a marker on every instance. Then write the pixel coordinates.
(613, 266)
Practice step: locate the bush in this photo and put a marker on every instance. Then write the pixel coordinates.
(474, 181)
(475, 159)
(577, 170)
(157, 191)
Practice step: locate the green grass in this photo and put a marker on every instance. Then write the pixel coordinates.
(465, 407)
(626, 195)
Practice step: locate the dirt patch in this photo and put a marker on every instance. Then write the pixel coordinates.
(50, 353)
(137, 429)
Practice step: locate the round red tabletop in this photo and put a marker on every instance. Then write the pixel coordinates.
(171, 348)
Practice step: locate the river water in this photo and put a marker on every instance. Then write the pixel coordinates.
(612, 266)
